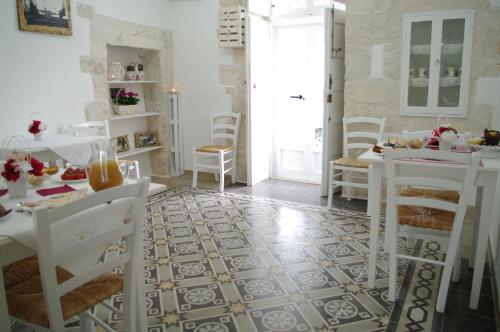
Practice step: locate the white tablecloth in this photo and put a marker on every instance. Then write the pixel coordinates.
(75, 149)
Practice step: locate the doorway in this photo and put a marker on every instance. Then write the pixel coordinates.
(295, 94)
(298, 100)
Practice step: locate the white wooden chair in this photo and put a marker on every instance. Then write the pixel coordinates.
(67, 279)
(344, 170)
(219, 157)
(101, 128)
(88, 128)
(424, 201)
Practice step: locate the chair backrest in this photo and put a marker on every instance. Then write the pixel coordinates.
(370, 134)
(224, 127)
(89, 128)
(75, 236)
(430, 169)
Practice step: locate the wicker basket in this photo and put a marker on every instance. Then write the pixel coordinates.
(125, 109)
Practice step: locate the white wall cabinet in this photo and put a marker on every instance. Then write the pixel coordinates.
(435, 63)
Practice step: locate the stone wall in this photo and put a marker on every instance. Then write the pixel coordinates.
(381, 22)
(234, 77)
(106, 31)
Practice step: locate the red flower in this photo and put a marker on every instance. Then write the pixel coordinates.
(35, 127)
(36, 166)
(12, 168)
(440, 130)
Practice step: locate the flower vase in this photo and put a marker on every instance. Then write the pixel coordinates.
(444, 145)
(37, 136)
(19, 188)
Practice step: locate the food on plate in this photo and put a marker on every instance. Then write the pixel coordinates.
(378, 149)
(3, 211)
(396, 142)
(35, 181)
(476, 140)
(74, 174)
(414, 143)
(51, 170)
(491, 137)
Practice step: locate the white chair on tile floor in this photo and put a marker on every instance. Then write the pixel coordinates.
(220, 156)
(343, 171)
(43, 293)
(89, 128)
(424, 201)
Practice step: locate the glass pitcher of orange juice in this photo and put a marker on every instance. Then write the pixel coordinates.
(104, 170)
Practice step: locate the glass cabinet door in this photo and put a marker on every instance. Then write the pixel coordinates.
(420, 58)
(450, 71)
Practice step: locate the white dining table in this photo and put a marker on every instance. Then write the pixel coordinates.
(75, 149)
(487, 212)
(17, 242)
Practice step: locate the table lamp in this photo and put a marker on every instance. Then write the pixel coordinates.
(488, 94)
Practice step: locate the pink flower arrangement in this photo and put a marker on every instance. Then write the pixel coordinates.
(126, 98)
(16, 165)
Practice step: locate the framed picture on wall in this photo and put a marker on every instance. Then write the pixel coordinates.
(120, 143)
(143, 140)
(46, 16)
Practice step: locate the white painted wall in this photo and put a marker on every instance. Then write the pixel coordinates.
(197, 57)
(42, 72)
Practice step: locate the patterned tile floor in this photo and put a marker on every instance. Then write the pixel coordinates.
(232, 262)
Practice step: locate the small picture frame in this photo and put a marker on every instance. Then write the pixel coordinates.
(144, 140)
(120, 143)
(49, 16)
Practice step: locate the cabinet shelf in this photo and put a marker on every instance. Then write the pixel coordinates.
(444, 82)
(132, 116)
(132, 82)
(446, 49)
(135, 151)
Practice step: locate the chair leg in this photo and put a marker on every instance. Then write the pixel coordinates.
(370, 189)
(448, 267)
(393, 259)
(86, 323)
(233, 171)
(457, 265)
(330, 184)
(221, 172)
(195, 170)
(349, 189)
(411, 241)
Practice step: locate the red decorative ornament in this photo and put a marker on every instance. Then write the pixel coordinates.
(35, 127)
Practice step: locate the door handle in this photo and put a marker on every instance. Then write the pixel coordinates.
(298, 97)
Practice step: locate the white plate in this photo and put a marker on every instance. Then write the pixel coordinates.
(9, 213)
(57, 177)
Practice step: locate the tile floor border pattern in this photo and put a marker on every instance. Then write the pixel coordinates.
(229, 262)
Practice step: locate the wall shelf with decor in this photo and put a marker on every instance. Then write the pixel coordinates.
(132, 82)
(135, 72)
(131, 116)
(136, 151)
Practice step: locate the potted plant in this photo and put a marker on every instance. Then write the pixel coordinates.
(125, 102)
(16, 171)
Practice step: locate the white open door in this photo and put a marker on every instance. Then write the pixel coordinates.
(260, 102)
(333, 90)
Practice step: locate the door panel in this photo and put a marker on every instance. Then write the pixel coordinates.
(334, 69)
(260, 99)
(299, 51)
